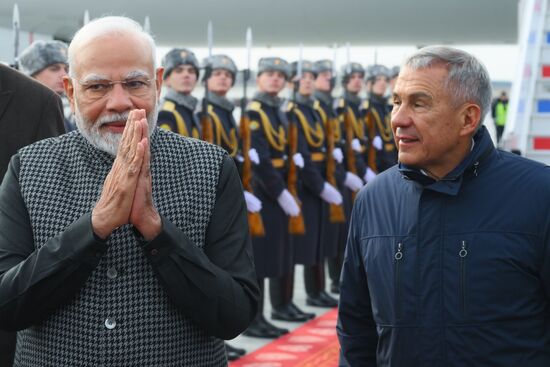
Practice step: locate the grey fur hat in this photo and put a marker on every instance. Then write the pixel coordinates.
(349, 69)
(322, 66)
(377, 70)
(274, 64)
(41, 54)
(307, 67)
(220, 62)
(176, 57)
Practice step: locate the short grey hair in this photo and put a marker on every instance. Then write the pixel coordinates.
(468, 79)
(105, 26)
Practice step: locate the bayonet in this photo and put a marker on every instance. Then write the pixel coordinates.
(16, 26)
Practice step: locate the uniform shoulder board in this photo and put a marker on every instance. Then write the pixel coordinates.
(169, 106)
(316, 104)
(254, 106)
(365, 105)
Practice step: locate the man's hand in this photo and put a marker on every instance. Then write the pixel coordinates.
(117, 196)
(144, 215)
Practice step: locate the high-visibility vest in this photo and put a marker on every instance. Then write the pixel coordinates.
(500, 113)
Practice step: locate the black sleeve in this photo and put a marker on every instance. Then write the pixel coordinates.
(215, 287)
(265, 173)
(52, 121)
(35, 282)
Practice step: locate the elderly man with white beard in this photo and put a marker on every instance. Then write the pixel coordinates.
(120, 243)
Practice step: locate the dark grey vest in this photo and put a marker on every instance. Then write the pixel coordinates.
(61, 179)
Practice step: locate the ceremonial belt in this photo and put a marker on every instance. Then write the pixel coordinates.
(278, 162)
(317, 157)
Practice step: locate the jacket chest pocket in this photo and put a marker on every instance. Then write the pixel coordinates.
(491, 276)
(390, 263)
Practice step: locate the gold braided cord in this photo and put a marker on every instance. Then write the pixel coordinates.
(221, 136)
(383, 129)
(336, 129)
(315, 138)
(276, 139)
(171, 107)
(357, 128)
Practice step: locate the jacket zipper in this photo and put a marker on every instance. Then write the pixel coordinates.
(462, 254)
(398, 258)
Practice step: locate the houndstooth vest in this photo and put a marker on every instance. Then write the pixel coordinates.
(61, 179)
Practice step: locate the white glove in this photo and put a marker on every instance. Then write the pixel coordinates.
(338, 155)
(369, 175)
(288, 204)
(331, 195)
(353, 182)
(298, 160)
(377, 143)
(253, 155)
(253, 204)
(356, 145)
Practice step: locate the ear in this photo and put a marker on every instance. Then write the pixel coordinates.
(159, 73)
(69, 90)
(470, 118)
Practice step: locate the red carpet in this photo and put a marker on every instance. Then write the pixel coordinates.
(313, 344)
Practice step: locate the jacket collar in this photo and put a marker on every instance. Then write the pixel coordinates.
(186, 100)
(303, 100)
(452, 182)
(324, 97)
(268, 99)
(352, 98)
(221, 102)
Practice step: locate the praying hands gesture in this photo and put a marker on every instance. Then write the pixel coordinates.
(127, 191)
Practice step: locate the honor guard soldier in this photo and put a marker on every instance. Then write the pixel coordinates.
(315, 192)
(220, 78)
(347, 182)
(273, 254)
(378, 117)
(351, 111)
(46, 61)
(177, 113)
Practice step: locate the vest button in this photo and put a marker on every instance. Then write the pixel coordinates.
(110, 323)
(112, 273)
(154, 252)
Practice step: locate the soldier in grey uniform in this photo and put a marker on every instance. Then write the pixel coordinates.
(46, 61)
(177, 109)
(378, 118)
(315, 192)
(347, 181)
(273, 253)
(220, 78)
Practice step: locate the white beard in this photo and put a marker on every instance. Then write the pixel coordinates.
(105, 140)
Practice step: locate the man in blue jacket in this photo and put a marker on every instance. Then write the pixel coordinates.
(448, 256)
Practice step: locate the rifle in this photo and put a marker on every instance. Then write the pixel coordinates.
(16, 26)
(296, 224)
(255, 223)
(336, 212)
(206, 123)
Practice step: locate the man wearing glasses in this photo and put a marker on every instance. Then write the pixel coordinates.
(121, 243)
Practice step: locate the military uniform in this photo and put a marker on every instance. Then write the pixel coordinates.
(335, 233)
(379, 120)
(177, 110)
(177, 114)
(220, 110)
(273, 255)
